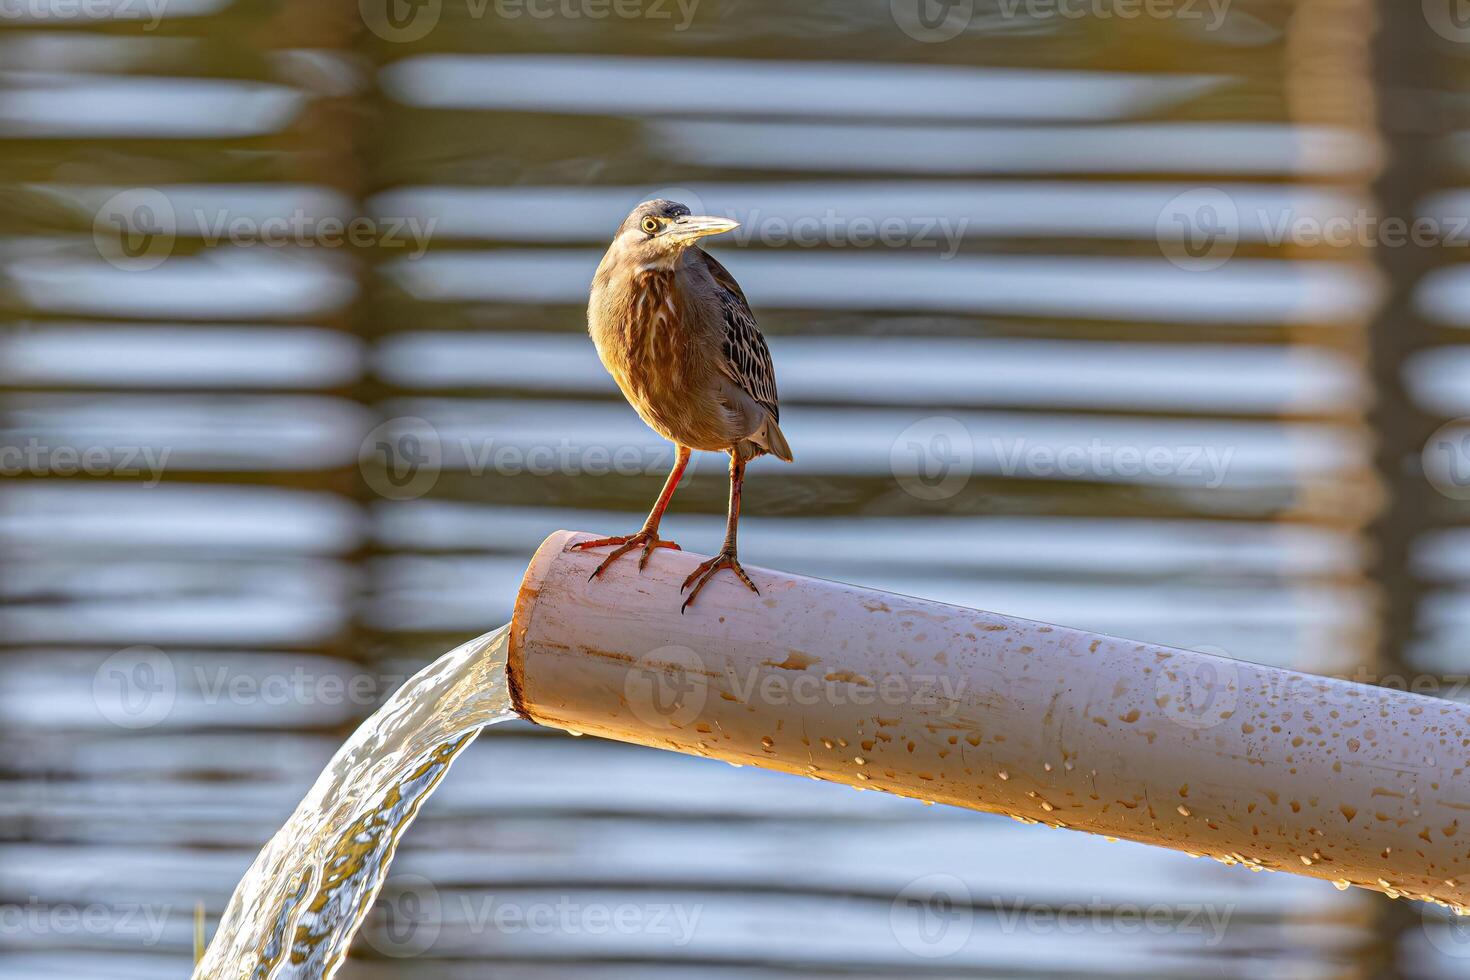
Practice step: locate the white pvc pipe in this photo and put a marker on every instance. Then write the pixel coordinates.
(1267, 768)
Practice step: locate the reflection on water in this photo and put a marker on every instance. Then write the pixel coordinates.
(197, 485)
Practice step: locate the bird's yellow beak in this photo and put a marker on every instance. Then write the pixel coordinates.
(692, 226)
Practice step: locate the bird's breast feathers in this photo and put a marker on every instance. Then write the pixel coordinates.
(686, 353)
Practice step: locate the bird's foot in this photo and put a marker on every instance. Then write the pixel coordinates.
(647, 538)
(706, 571)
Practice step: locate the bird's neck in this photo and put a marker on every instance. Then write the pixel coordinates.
(665, 261)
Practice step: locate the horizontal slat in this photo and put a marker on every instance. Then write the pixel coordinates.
(598, 85)
(55, 104)
(273, 603)
(1244, 291)
(1309, 631)
(1232, 379)
(179, 355)
(69, 515)
(505, 437)
(66, 278)
(933, 216)
(1440, 379)
(1080, 546)
(148, 435)
(1237, 148)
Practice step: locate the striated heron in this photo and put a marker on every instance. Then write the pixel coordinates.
(674, 330)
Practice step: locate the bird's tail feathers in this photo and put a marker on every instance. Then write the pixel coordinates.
(770, 438)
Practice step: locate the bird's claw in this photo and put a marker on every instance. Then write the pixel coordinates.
(648, 539)
(706, 571)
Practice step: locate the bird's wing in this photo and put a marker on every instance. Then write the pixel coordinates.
(747, 360)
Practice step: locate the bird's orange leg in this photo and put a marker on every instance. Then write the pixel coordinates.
(648, 537)
(726, 558)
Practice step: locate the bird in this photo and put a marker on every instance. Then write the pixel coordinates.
(673, 328)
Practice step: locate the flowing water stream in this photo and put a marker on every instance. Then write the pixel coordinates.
(296, 910)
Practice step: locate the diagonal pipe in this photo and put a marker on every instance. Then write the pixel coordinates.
(1272, 769)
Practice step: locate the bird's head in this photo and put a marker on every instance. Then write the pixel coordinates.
(656, 233)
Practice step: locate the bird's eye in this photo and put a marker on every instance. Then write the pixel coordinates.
(650, 225)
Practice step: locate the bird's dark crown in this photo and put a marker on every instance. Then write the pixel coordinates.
(659, 208)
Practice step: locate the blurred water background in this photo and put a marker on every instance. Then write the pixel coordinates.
(294, 378)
